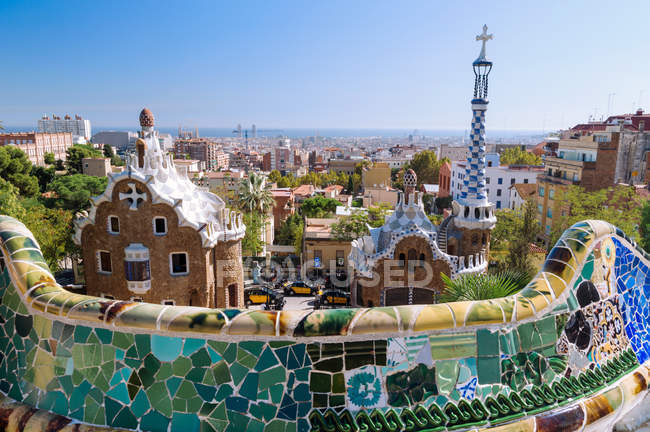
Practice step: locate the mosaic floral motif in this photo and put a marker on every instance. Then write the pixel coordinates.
(571, 332)
(364, 388)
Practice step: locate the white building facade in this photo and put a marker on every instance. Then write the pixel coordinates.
(498, 180)
(77, 126)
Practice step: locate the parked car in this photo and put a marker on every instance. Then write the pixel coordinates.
(298, 288)
(260, 294)
(332, 297)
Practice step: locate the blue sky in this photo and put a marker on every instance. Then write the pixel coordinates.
(320, 64)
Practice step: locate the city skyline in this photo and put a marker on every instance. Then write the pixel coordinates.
(279, 66)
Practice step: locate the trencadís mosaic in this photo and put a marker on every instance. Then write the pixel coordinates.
(568, 350)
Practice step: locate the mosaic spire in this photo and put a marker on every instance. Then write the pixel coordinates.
(473, 208)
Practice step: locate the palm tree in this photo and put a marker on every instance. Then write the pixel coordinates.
(483, 286)
(255, 198)
(255, 194)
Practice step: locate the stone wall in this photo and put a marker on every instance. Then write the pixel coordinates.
(228, 271)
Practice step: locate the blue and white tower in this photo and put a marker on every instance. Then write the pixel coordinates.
(472, 210)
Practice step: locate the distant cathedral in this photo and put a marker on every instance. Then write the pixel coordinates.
(418, 251)
(153, 236)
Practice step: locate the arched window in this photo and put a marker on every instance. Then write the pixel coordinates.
(402, 258)
(422, 259)
(466, 212)
(477, 213)
(484, 239)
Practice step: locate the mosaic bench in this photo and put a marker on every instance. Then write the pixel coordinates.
(569, 352)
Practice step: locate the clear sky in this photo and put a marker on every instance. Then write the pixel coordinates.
(320, 64)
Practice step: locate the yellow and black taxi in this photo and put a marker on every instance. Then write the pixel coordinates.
(298, 288)
(331, 298)
(259, 294)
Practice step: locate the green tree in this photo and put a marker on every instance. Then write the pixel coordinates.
(505, 228)
(516, 156)
(74, 191)
(350, 186)
(49, 158)
(290, 230)
(60, 166)
(443, 203)
(108, 151)
(342, 179)
(252, 244)
(427, 166)
(288, 181)
(275, 176)
(16, 168)
(44, 175)
(619, 205)
(76, 153)
(319, 207)
(526, 231)
(644, 226)
(377, 214)
(52, 228)
(350, 227)
(358, 168)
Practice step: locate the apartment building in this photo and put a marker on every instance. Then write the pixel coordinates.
(36, 144)
(77, 126)
(498, 179)
(204, 150)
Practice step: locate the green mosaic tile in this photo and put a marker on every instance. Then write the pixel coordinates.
(489, 370)
(181, 366)
(321, 382)
(238, 372)
(272, 376)
(488, 342)
(221, 373)
(266, 360)
(249, 387)
(447, 375)
(453, 345)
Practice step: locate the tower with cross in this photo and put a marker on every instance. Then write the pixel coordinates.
(473, 213)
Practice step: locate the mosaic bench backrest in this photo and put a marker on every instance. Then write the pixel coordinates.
(577, 328)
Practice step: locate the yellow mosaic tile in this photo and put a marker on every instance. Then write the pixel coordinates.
(288, 320)
(484, 312)
(539, 300)
(376, 320)
(524, 308)
(259, 323)
(525, 425)
(434, 317)
(507, 305)
(557, 283)
(633, 385)
(460, 310)
(198, 320)
(134, 315)
(540, 285)
(406, 315)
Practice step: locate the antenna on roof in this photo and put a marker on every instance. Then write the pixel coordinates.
(610, 99)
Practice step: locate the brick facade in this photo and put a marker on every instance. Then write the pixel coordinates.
(207, 282)
(390, 275)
